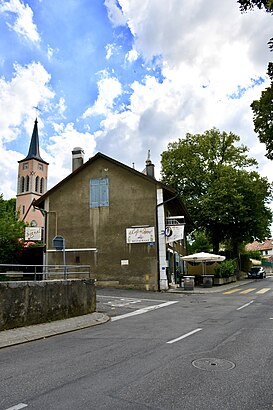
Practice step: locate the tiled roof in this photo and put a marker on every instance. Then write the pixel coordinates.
(260, 246)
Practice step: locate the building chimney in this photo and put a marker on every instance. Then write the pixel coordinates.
(150, 168)
(77, 158)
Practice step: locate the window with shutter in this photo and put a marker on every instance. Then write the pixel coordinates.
(99, 192)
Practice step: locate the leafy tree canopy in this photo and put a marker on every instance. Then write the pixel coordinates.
(11, 229)
(246, 5)
(263, 115)
(263, 108)
(266, 5)
(225, 200)
(199, 243)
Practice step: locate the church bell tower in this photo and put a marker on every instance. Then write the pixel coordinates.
(32, 182)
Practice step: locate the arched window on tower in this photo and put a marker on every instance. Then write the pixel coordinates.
(27, 183)
(22, 185)
(37, 184)
(42, 183)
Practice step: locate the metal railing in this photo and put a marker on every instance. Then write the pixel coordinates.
(41, 272)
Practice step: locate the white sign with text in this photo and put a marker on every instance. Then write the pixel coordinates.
(33, 233)
(140, 235)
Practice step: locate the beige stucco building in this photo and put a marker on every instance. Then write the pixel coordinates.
(123, 223)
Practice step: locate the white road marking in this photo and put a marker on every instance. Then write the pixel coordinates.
(184, 336)
(143, 310)
(262, 291)
(132, 299)
(244, 292)
(18, 406)
(247, 304)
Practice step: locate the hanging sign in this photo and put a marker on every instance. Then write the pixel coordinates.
(33, 233)
(174, 233)
(140, 235)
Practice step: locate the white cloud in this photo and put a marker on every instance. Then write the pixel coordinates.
(59, 150)
(109, 51)
(207, 55)
(8, 172)
(50, 52)
(109, 89)
(23, 24)
(115, 13)
(131, 56)
(27, 88)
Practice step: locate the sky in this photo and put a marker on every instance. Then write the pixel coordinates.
(123, 77)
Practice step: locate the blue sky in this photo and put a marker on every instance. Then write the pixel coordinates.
(125, 76)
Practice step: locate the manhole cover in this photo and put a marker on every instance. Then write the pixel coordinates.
(213, 364)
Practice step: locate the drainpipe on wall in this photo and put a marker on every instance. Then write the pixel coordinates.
(163, 279)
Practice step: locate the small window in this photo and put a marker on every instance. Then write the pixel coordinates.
(40, 167)
(22, 184)
(25, 165)
(42, 185)
(23, 209)
(27, 183)
(99, 192)
(37, 184)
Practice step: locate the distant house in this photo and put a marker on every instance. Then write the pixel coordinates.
(125, 224)
(265, 248)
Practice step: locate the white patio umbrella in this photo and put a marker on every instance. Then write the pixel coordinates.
(203, 257)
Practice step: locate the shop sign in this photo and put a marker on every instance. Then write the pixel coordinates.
(140, 234)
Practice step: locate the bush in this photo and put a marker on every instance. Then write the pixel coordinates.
(225, 269)
(254, 255)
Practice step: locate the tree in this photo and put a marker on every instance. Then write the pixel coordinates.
(267, 5)
(225, 200)
(199, 243)
(263, 108)
(263, 115)
(11, 230)
(246, 5)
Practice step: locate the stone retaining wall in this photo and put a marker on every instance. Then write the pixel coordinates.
(28, 303)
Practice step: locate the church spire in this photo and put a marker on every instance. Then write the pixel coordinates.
(34, 151)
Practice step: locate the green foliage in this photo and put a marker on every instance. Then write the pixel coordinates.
(199, 243)
(246, 5)
(11, 230)
(263, 108)
(254, 255)
(224, 200)
(225, 269)
(263, 115)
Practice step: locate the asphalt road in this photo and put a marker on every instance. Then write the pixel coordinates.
(160, 351)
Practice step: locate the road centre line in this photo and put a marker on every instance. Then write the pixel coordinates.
(18, 406)
(143, 310)
(184, 336)
(247, 304)
(122, 298)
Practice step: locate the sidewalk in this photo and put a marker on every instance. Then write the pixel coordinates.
(214, 289)
(43, 330)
